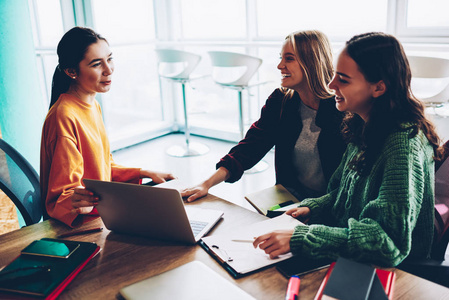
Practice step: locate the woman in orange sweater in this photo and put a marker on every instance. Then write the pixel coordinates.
(74, 141)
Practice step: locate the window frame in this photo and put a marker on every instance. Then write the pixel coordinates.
(168, 33)
(419, 35)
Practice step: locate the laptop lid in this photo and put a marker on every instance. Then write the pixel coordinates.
(193, 280)
(153, 212)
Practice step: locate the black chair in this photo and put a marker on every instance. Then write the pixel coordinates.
(436, 269)
(20, 182)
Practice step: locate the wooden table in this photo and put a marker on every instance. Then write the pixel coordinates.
(124, 260)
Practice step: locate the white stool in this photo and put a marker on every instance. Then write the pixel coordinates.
(431, 68)
(177, 66)
(234, 71)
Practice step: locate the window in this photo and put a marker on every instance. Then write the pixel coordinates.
(132, 109)
(335, 18)
(48, 20)
(47, 30)
(430, 13)
(140, 105)
(124, 21)
(423, 18)
(213, 20)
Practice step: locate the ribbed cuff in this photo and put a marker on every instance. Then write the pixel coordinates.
(310, 203)
(297, 239)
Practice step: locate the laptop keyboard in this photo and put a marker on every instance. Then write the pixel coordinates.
(197, 226)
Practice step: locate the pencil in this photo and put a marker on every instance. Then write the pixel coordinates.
(79, 232)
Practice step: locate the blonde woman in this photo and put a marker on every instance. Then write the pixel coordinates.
(299, 119)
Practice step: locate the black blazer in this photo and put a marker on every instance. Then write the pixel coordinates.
(279, 126)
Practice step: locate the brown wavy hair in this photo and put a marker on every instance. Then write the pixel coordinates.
(380, 56)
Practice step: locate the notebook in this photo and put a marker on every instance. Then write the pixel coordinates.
(191, 281)
(43, 269)
(152, 212)
(272, 201)
(235, 252)
(347, 280)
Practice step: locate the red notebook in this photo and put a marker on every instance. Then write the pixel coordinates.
(45, 268)
(352, 279)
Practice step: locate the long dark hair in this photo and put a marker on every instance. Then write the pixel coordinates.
(71, 50)
(380, 56)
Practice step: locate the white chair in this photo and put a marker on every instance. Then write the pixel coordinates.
(234, 71)
(177, 66)
(435, 69)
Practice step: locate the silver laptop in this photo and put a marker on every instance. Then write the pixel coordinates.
(153, 212)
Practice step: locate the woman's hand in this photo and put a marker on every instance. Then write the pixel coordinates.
(201, 190)
(274, 243)
(300, 213)
(195, 193)
(157, 177)
(83, 200)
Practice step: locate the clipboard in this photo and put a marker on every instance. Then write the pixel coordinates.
(267, 198)
(234, 251)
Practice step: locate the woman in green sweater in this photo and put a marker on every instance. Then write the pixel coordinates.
(380, 203)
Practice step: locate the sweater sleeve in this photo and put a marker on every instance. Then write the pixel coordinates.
(382, 233)
(259, 139)
(66, 173)
(124, 174)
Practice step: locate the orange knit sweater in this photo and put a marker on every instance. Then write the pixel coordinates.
(75, 146)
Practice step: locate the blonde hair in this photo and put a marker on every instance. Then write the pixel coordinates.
(314, 54)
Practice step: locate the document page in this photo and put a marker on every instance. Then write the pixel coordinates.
(236, 249)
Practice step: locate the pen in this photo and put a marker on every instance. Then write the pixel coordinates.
(277, 206)
(80, 232)
(293, 288)
(243, 241)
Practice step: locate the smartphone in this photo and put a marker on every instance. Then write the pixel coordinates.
(298, 265)
(50, 248)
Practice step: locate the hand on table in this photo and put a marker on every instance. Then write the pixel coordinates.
(157, 177)
(195, 193)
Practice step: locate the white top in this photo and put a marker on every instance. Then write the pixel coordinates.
(306, 157)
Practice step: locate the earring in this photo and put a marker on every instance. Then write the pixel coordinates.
(74, 77)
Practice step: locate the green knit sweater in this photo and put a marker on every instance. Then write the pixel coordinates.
(381, 218)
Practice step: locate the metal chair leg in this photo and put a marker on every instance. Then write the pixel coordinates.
(261, 165)
(189, 149)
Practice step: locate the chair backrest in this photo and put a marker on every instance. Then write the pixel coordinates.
(441, 209)
(20, 182)
(233, 69)
(176, 64)
(432, 68)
